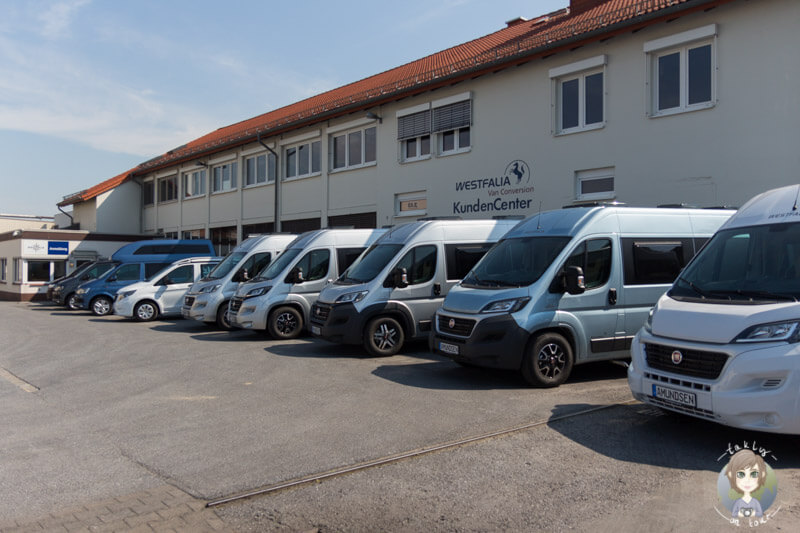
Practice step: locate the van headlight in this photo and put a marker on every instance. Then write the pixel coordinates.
(775, 332)
(125, 294)
(351, 297)
(209, 288)
(261, 291)
(648, 324)
(80, 291)
(511, 305)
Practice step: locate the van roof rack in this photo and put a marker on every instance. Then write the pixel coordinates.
(595, 204)
(692, 206)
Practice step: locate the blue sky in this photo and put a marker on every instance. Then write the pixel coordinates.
(91, 88)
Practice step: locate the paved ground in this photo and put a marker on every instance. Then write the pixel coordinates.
(110, 425)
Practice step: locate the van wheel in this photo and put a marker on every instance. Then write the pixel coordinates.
(222, 317)
(548, 361)
(285, 323)
(384, 336)
(101, 306)
(145, 311)
(71, 302)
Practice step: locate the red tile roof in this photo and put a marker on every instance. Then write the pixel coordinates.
(519, 42)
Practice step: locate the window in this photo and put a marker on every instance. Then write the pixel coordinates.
(128, 272)
(38, 271)
(346, 256)
(194, 183)
(194, 234)
(451, 123)
(224, 177)
(420, 264)
(254, 264)
(315, 264)
(182, 274)
(594, 257)
(460, 258)
(260, 169)
(354, 149)
(579, 95)
(168, 189)
(148, 193)
(3, 269)
(654, 261)
(410, 204)
(595, 184)
(682, 71)
(17, 270)
(303, 160)
(414, 134)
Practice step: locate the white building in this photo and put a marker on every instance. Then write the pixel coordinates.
(645, 102)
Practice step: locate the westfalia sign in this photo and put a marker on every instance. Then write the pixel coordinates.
(512, 191)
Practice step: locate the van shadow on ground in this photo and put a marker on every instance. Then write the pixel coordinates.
(642, 434)
(444, 374)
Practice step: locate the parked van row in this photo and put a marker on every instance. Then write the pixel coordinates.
(538, 296)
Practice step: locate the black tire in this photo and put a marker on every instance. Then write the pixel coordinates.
(102, 306)
(145, 311)
(70, 303)
(222, 317)
(548, 361)
(285, 323)
(383, 337)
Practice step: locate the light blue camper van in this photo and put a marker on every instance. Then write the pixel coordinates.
(567, 287)
(137, 261)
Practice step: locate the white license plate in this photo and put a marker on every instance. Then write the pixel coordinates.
(675, 396)
(315, 330)
(446, 347)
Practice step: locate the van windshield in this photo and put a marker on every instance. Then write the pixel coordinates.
(515, 262)
(276, 267)
(370, 264)
(754, 265)
(227, 264)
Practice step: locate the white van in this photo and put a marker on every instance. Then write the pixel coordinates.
(567, 287)
(162, 293)
(724, 343)
(390, 293)
(279, 299)
(207, 300)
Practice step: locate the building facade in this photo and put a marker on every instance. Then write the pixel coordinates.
(645, 102)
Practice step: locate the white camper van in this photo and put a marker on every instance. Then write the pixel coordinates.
(723, 343)
(207, 300)
(279, 299)
(567, 287)
(390, 293)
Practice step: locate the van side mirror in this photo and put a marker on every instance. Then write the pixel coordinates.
(573, 280)
(112, 278)
(296, 275)
(400, 278)
(85, 277)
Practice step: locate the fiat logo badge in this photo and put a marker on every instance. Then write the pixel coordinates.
(677, 357)
(452, 323)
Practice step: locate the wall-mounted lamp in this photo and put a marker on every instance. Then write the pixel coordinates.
(202, 164)
(373, 116)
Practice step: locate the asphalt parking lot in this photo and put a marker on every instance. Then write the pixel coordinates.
(114, 425)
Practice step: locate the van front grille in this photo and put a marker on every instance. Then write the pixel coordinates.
(236, 304)
(695, 363)
(456, 326)
(188, 301)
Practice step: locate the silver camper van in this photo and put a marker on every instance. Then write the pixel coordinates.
(567, 287)
(390, 293)
(279, 299)
(207, 299)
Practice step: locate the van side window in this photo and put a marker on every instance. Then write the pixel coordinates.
(190, 249)
(183, 274)
(420, 263)
(594, 257)
(315, 264)
(460, 258)
(346, 256)
(206, 268)
(254, 264)
(128, 272)
(654, 261)
(153, 249)
(151, 269)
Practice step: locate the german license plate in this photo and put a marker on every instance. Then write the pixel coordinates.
(675, 396)
(315, 330)
(446, 347)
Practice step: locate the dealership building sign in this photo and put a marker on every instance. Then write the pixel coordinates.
(489, 196)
